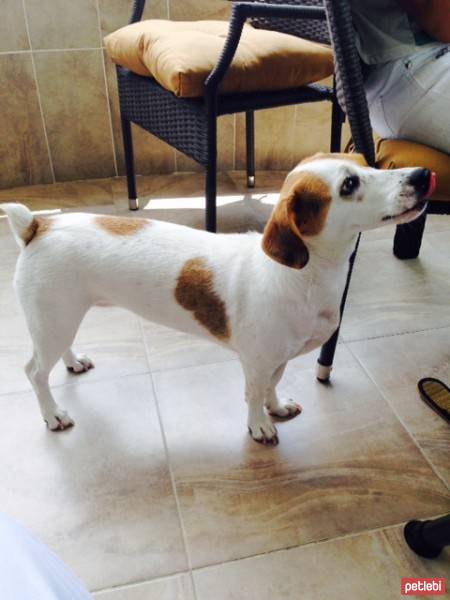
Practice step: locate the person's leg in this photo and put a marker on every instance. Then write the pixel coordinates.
(410, 98)
(30, 571)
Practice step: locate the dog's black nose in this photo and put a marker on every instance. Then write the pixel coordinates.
(421, 180)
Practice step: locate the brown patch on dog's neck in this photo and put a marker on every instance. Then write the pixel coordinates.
(121, 225)
(37, 228)
(195, 292)
(301, 211)
(354, 157)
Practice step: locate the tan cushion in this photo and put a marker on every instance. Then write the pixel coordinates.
(396, 154)
(181, 54)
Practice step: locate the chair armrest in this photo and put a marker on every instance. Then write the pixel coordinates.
(138, 9)
(240, 13)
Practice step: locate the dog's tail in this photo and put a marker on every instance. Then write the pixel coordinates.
(23, 223)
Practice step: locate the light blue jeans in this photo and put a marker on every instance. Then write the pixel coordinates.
(30, 571)
(409, 98)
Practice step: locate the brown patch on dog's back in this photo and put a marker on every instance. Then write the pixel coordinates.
(121, 225)
(354, 157)
(37, 228)
(195, 292)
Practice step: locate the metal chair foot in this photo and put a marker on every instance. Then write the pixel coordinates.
(250, 181)
(133, 203)
(323, 373)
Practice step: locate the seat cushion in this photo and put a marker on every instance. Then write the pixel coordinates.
(396, 154)
(180, 55)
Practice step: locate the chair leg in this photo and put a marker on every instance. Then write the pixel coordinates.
(408, 238)
(337, 119)
(250, 144)
(325, 360)
(133, 201)
(211, 176)
(428, 538)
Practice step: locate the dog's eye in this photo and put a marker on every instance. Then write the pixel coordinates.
(349, 185)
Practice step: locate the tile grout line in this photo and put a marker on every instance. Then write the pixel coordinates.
(105, 81)
(38, 93)
(390, 335)
(137, 583)
(8, 52)
(58, 386)
(309, 544)
(402, 422)
(169, 467)
(258, 555)
(49, 50)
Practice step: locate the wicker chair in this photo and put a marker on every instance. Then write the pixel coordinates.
(190, 124)
(352, 98)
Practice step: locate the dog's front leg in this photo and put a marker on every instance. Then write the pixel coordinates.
(283, 408)
(259, 423)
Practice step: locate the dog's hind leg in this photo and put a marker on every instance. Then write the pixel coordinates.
(77, 363)
(280, 407)
(52, 331)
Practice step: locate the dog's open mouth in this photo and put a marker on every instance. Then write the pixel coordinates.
(417, 208)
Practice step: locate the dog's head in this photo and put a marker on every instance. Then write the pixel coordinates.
(327, 199)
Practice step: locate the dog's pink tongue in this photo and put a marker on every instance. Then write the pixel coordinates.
(432, 185)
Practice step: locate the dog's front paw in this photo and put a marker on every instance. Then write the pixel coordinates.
(264, 432)
(284, 409)
(81, 364)
(59, 421)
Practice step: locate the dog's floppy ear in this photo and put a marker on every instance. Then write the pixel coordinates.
(301, 211)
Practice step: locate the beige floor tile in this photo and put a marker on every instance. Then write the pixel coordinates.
(176, 185)
(234, 212)
(112, 359)
(98, 494)
(67, 194)
(172, 588)
(389, 296)
(435, 223)
(111, 337)
(396, 364)
(344, 465)
(172, 349)
(369, 566)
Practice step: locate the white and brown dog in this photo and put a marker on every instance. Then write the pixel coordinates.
(269, 297)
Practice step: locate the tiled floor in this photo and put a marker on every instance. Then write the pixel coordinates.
(159, 493)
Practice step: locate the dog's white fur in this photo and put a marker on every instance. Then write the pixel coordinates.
(274, 312)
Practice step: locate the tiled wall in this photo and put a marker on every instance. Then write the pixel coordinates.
(59, 117)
